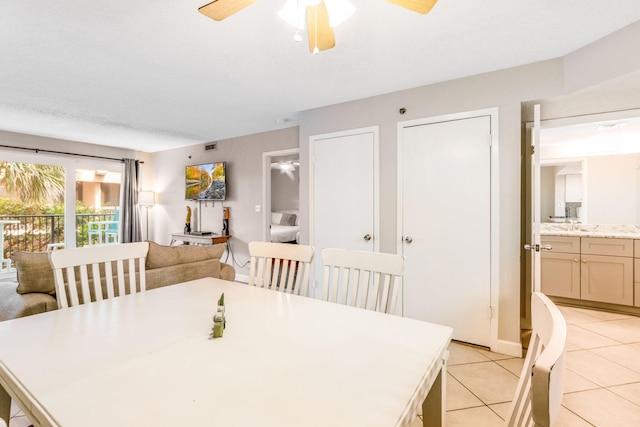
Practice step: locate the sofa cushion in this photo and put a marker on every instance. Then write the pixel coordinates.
(164, 276)
(14, 305)
(166, 256)
(34, 273)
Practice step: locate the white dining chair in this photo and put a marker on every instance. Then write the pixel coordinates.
(96, 262)
(284, 267)
(539, 393)
(369, 280)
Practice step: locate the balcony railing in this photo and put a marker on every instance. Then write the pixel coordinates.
(35, 232)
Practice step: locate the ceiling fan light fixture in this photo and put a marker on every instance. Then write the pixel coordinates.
(294, 11)
(292, 14)
(339, 11)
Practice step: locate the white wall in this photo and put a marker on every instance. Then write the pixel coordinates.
(612, 189)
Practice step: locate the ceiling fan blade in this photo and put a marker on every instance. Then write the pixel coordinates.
(320, 33)
(420, 6)
(220, 9)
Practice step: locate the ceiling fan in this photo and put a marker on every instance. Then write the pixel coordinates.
(319, 29)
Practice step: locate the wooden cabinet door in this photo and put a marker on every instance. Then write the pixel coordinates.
(607, 279)
(560, 274)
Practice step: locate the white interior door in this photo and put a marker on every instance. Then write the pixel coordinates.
(344, 192)
(445, 214)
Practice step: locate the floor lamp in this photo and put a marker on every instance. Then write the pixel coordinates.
(147, 199)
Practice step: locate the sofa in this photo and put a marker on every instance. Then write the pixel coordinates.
(34, 291)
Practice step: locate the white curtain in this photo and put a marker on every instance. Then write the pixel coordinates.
(130, 229)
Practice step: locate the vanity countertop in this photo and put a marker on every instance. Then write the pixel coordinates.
(591, 230)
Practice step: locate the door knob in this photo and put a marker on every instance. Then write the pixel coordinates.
(367, 237)
(408, 239)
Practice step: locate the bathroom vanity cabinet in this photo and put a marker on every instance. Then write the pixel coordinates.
(598, 269)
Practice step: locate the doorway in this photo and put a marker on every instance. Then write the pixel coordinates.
(280, 196)
(590, 164)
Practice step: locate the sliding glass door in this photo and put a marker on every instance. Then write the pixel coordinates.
(48, 202)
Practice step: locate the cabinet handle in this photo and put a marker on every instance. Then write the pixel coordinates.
(367, 237)
(575, 260)
(584, 261)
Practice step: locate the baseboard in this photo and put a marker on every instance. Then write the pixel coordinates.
(509, 348)
(242, 278)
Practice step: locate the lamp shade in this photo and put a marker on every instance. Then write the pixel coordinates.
(146, 198)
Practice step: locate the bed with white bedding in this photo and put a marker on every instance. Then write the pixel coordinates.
(285, 227)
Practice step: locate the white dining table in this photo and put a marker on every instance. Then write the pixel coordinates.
(147, 359)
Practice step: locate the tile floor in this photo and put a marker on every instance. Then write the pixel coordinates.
(602, 378)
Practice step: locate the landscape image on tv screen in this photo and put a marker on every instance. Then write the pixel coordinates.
(206, 182)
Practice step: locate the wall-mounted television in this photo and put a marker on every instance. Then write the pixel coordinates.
(206, 181)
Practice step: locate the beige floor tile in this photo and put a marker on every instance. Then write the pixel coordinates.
(458, 397)
(599, 370)
(584, 339)
(488, 381)
(602, 407)
(625, 355)
(575, 316)
(606, 315)
(502, 409)
(482, 416)
(623, 330)
(571, 347)
(566, 418)
(494, 356)
(630, 392)
(460, 354)
(574, 382)
(513, 365)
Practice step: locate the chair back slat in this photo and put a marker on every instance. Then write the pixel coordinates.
(120, 275)
(98, 260)
(97, 283)
(539, 392)
(368, 280)
(282, 267)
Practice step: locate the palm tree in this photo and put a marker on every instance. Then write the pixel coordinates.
(33, 183)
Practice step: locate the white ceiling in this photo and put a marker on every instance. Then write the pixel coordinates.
(154, 75)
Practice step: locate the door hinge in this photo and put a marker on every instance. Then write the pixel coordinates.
(490, 312)
(533, 149)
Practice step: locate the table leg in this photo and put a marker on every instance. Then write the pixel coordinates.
(434, 405)
(5, 405)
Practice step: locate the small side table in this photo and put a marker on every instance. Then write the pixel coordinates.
(205, 240)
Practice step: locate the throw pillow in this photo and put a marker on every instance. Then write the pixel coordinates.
(288, 219)
(34, 273)
(276, 217)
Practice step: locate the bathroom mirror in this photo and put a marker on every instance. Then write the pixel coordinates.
(590, 173)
